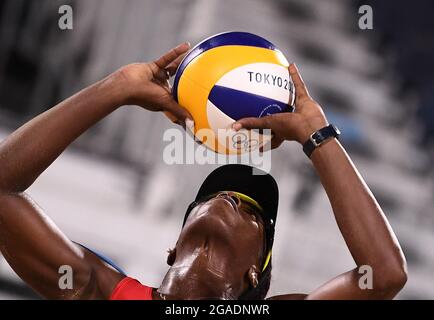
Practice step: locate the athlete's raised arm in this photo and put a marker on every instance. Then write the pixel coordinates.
(361, 221)
(29, 241)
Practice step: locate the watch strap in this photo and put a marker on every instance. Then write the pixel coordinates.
(319, 137)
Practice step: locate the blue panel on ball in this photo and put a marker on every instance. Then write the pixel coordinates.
(222, 39)
(239, 104)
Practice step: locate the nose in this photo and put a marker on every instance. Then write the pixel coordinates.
(232, 196)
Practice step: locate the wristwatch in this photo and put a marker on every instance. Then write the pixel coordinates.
(319, 137)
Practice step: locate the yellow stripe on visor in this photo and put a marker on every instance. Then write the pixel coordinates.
(267, 261)
(249, 200)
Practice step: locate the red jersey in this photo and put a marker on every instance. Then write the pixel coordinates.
(131, 289)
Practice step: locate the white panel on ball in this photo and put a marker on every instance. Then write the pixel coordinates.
(265, 79)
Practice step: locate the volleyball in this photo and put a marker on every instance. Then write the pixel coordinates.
(230, 76)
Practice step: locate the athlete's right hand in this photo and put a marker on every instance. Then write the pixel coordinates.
(146, 84)
(307, 118)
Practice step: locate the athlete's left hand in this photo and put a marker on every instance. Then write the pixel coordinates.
(297, 126)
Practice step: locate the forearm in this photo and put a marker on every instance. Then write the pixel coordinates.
(26, 153)
(364, 226)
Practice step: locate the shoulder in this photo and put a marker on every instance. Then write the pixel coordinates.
(104, 277)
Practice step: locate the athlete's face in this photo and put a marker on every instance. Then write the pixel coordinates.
(222, 242)
(232, 224)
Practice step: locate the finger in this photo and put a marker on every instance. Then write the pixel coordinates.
(276, 142)
(170, 116)
(300, 87)
(178, 113)
(174, 119)
(171, 68)
(172, 55)
(252, 123)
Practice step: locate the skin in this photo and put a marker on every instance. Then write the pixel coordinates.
(202, 266)
(218, 253)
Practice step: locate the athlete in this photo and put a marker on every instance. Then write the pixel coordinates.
(224, 249)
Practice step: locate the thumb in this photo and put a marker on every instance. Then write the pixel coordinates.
(176, 113)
